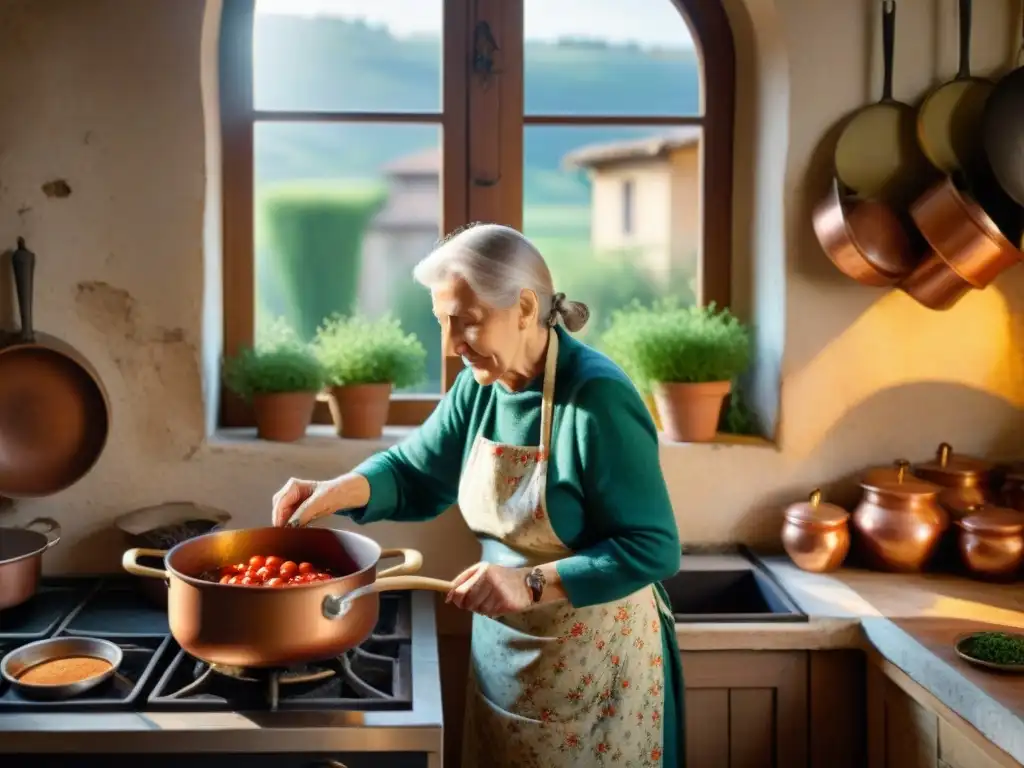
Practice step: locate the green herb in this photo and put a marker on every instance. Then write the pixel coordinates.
(356, 350)
(996, 648)
(671, 343)
(280, 362)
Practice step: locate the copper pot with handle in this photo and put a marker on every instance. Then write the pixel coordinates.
(992, 542)
(815, 534)
(256, 626)
(899, 522)
(21, 559)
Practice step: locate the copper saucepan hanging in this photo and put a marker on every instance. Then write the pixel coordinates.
(968, 250)
(865, 239)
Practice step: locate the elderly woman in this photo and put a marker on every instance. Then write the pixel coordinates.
(553, 459)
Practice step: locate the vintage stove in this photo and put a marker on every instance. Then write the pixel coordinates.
(378, 704)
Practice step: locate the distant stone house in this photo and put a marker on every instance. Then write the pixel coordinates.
(404, 231)
(645, 198)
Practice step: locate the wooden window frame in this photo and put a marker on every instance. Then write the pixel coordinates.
(488, 160)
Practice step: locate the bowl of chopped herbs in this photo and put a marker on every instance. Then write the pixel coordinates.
(1001, 651)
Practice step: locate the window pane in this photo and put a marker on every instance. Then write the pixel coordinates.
(609, 57)
(343, 212)
(347, 55)
(615, 211)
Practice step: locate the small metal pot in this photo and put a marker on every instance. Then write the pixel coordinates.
(248, 626)
(18, 661)
(21, 559)
(815, 535)
(992, 542)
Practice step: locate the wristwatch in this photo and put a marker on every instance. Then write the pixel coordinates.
(535, 582)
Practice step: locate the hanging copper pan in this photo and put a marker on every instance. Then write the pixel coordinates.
(968, 250)
(950, 118)
(865, 239)
(877, 156)
(54, 412)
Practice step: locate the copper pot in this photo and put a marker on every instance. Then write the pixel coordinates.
(966, 481)
(899, 522)
(269, 627)
(21, 559)
(864, 238)
(992, 542)
(815, 535)
(968, 250)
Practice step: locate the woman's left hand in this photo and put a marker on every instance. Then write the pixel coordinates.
(491, 590)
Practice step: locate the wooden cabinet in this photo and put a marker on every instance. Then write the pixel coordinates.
(746, 709)
(910, 728)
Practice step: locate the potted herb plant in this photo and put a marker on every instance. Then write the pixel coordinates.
(280, 376)
(364, 360)
(686, 356)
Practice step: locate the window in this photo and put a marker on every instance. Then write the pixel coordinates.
(628, 193)
(356, 132)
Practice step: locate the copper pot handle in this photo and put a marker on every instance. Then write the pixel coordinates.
(49, 528)
(130, 562)
(413, 562)
(337, 606)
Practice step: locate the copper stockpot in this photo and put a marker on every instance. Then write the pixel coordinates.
(815, 535)
(252, 626)
(992, 542)
(863, 238)
(968, 250)
(899, 522)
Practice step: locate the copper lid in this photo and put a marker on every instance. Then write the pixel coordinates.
(890, 474)
(949, 469)
(996, 520)
(903, 484)
(816, 512)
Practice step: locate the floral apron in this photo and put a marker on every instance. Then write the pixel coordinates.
(555, 685)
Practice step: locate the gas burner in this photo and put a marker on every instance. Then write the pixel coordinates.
(376, 675)
(290, 676)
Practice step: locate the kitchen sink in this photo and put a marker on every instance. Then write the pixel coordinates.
(735, 594)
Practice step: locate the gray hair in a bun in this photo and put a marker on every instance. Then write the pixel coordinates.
(499, 263)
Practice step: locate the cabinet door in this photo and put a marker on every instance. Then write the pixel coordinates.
(746, 709)
(902, 733)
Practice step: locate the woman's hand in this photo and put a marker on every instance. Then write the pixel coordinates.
(491, 590)
(306, 500)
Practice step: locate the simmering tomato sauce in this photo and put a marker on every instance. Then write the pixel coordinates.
(271, 571)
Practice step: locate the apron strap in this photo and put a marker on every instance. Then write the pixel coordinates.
(547, 408)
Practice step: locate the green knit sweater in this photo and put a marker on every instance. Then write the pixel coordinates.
(606, 496)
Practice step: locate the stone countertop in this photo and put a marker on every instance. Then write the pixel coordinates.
(911, 620)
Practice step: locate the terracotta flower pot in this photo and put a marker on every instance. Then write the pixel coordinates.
(360, 411)
(283, 416)
(690, 412)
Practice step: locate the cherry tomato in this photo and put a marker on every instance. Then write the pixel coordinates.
(306, 568)
(235, 580)
(276, 581)
(257, 561)
(274, 562)
(264, 573)
(226, 578)
(288, 569)
(248, 581)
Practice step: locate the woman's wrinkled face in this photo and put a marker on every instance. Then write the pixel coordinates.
(490, 341)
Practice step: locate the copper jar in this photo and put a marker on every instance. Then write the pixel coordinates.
(992, 542)
(966, 481)
(815, 535)
(899, 522)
